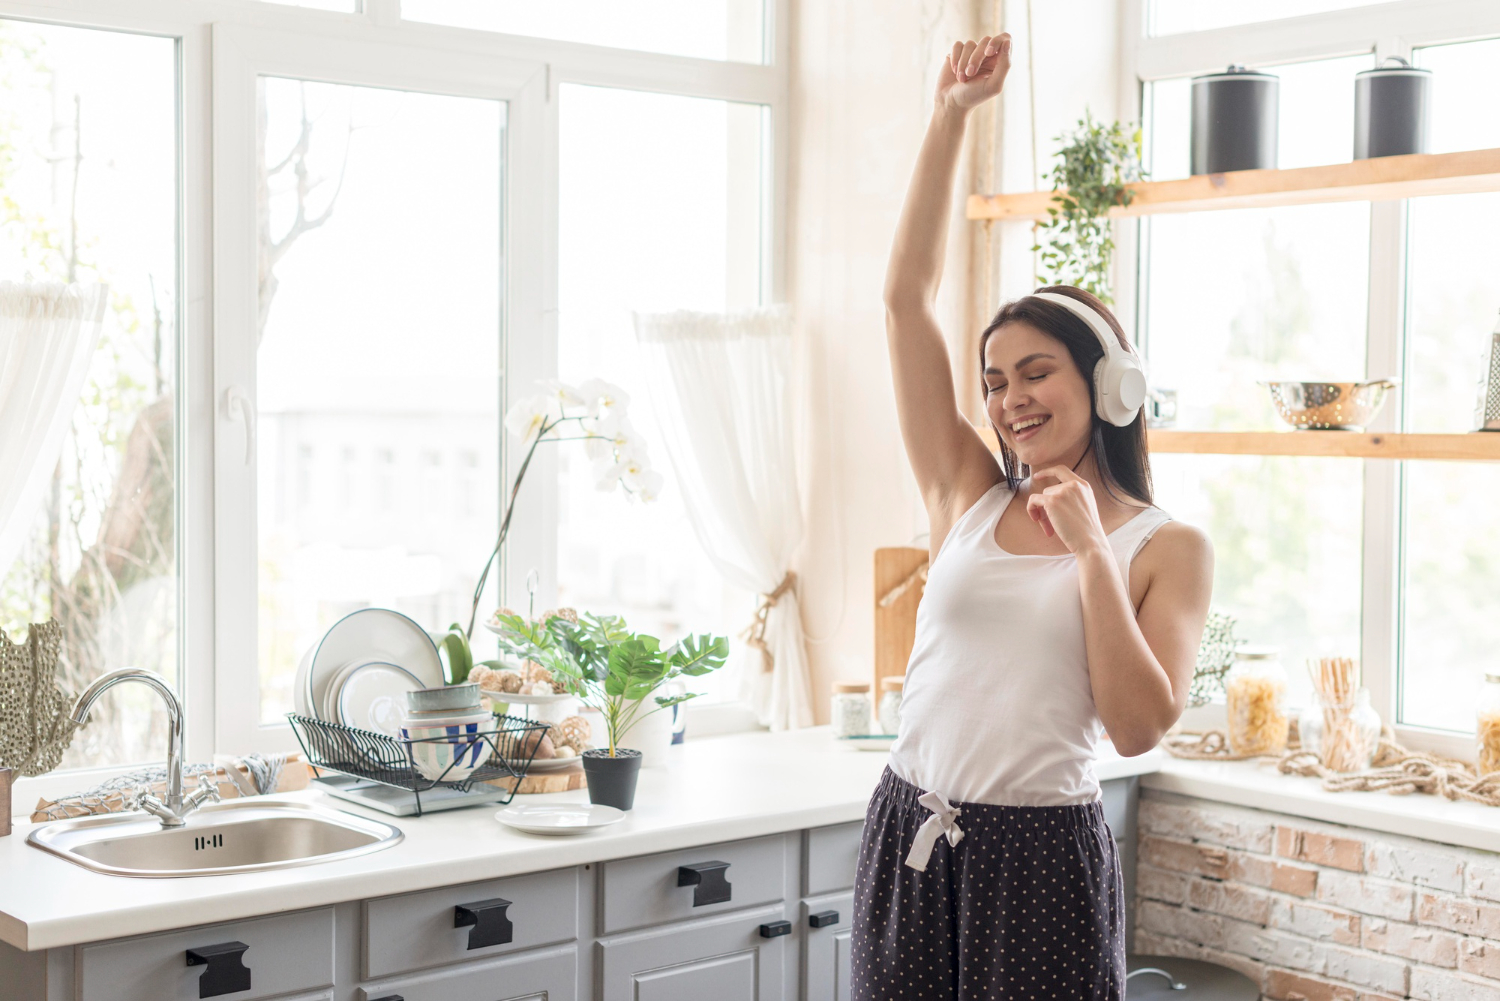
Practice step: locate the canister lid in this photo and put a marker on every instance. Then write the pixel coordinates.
(1402, 68)
(1250, 652)
(892, 683)
(1237, 72)
(851, 687)
(1493, 679)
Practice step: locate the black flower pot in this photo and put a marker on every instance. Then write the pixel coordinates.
(612, 779)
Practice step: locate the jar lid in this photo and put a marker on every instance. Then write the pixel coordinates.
(1250, 652)
(1402, 68)
(1493, 679)
(1237, 72)
(889, 684)
(851, 687)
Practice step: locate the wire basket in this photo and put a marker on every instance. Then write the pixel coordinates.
(376, 757)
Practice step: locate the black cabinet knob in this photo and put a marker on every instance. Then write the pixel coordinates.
(226, 974)
(822, 919)
(487, 920)
(775, 929)
(709, 880)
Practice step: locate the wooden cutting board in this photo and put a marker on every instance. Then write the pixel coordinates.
(561, 781)
(896, 623)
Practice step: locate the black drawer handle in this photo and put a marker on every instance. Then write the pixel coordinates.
(775, 929)
(488, 921)
(709, 880)
(225, 973)
(389, 997)
(822, 919)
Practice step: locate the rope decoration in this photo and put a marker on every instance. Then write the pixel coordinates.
(1395, 769)
(755, 633)
(917, 576)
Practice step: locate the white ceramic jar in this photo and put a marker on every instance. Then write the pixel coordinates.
(850, 711)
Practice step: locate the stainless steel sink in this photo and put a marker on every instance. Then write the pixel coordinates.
(235, 836)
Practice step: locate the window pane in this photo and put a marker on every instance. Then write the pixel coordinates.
(1171, 17)
(378, 370)
(1287, 536)
(708, 29)
(349, 6)
(1451, 563)
(660, 210)
(1239, 296)
(88, 191)
(1464, 77)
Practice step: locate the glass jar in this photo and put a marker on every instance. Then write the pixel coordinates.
(1255, 701)
(890, 703)
(850, 713)
(1356, 725)
(1487, 730)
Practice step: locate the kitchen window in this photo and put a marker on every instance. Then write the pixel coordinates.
(340, 238)
(1384, 560)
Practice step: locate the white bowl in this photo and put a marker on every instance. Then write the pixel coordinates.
(451, 752)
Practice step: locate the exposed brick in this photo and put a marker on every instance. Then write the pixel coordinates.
(1439, 985)
(1293, 879)
(1187, 823)
(1479, 958)
(1366, 996)
(1159, 884)
(1179, 922)
(1314, 921)
(1482, 880)
(1320, 849)
(1366, 895)
(1437, 869)
(1285, 985)
(1237, 901)
(1227, 864)
(1366, 969)
(1275, 948)
(1425, 945)
(1459, 915)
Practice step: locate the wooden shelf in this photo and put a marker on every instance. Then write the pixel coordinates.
(1476, 447)
(1381, 179)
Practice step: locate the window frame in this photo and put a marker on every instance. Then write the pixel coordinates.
(1387, 29)
(212, 494)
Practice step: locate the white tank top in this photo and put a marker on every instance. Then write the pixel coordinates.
(997, 706)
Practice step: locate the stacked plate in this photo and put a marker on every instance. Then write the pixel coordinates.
(358, 674)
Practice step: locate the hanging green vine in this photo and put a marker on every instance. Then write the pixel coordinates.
(1095, 166)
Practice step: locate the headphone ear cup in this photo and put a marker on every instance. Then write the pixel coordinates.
(1119, 388)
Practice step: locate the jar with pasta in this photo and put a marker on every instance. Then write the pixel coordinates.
(1255, 701)
(1487, 732)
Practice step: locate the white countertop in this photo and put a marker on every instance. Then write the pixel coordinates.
(718, 789)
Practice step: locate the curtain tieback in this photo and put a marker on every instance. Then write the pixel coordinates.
(755, 633)
(942, 823)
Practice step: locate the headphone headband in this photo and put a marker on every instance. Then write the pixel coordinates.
(1119, 377)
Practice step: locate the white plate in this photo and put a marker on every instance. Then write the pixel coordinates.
(547, 764)
(371, 634)
(870, 742)
(517, 699)
(373, 696)
(559, 818)
(299, 686)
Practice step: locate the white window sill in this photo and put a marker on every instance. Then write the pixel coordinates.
(1256, 783)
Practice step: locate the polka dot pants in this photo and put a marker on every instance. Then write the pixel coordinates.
(1029, 904)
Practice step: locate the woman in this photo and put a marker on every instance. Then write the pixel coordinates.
(1058, 605)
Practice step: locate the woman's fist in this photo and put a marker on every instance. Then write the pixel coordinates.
(974, 72)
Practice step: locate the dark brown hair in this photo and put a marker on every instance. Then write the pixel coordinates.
(1119, 452)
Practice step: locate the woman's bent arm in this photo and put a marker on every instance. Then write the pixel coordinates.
(951, 463)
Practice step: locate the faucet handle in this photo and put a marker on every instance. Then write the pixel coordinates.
(207, 789)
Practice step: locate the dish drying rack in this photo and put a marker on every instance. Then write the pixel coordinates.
(379, 771)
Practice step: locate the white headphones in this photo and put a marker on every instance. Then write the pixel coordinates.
(1119, 377)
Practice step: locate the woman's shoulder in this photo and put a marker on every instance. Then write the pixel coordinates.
(1176, 546)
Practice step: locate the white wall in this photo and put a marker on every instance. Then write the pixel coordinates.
(862, 80)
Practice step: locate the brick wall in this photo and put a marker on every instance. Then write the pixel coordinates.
(1314, 911)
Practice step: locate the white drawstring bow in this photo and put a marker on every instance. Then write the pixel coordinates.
(942, 823)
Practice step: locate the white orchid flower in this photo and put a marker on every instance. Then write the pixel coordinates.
(605, 400)
(565, 395)
(643, 482)
(606, 476)
(526, 419)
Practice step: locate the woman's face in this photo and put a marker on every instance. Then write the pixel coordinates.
(1035, 395)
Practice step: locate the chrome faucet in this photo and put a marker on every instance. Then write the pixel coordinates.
(174, 811)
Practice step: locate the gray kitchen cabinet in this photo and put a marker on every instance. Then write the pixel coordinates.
(693, 883)
(827, 928)
(829, 856)
(549, 975)
(724, 958)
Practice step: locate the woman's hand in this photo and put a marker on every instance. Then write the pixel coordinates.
(1062, 502)
(974, 72)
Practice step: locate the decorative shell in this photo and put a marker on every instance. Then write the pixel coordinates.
(574, 732)
(537, 688)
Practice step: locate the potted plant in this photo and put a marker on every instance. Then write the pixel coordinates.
(1096, 165)
(613, 670)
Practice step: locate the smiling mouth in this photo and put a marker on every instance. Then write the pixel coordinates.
(1026, 427)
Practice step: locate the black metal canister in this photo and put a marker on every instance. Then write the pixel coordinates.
(1392, 110)
(1234, 121)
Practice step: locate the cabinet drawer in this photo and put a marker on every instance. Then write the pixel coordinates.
(645, 891)
(415, 931)
(830, 857)
(826, 949)
(284, 953)
(546, 976)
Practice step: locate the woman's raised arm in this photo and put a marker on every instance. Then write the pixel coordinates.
(952, 465)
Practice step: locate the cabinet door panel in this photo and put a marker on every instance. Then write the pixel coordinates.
(825, 950)
(644, 891)
(830, 857)
(716, 959)
(551, 975)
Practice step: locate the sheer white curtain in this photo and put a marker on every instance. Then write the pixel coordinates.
(47, 337)
(721, 386)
